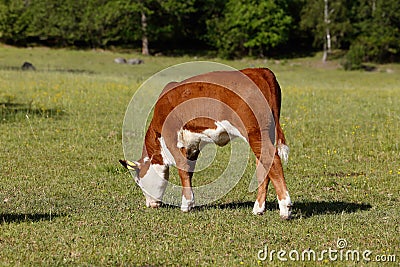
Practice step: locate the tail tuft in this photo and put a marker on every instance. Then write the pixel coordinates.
(283, 152)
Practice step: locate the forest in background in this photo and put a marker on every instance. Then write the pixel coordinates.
(367, 30)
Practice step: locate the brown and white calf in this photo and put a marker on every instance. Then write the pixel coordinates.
(214, 108)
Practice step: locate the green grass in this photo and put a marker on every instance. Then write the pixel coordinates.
(66, 201)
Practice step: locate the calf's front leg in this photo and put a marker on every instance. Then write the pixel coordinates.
(187, 192)
(186, 170)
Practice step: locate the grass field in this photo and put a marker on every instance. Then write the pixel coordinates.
(64, 200)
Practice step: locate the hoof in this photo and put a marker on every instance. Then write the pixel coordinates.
(153, 204)
(185, 209)
(285, 207)
(286, 218)
(257, 210)
(187, 205)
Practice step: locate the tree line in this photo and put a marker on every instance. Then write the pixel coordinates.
(368, 29)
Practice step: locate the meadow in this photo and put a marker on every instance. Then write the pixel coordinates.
(64, 199)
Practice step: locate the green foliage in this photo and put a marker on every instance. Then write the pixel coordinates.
(374, 25)
(55, 21)
(110, 22)
(167, 20)
(233, 28)
(340, 27)
(14, 20)
(94, 23)
(378, 29)
(354, 57)
(250, 27)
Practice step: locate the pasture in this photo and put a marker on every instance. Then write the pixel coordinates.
(64, 199)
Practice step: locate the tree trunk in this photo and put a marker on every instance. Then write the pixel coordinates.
(373, 6)
(145, 41)
(325, 54)
(327, 41)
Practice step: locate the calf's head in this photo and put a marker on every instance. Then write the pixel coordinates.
(151, 178)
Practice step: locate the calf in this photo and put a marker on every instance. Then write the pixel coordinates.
(214, 108)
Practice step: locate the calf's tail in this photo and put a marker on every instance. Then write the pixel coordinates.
(283, 149)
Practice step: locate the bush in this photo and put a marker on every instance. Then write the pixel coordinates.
(354, 58)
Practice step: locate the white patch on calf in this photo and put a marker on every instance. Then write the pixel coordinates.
(188, 139)
(283, 152)
(224, 132)
(187, 204)
(257, 210)
(154, 183)
(285, 207)
(166, 154)
(231, 130)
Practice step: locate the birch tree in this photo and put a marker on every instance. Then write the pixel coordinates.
(145, 40)
(329, 21)
(327, 41)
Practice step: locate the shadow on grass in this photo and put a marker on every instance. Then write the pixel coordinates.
(309, 209)
(228, 206)
(300, 209)
(73, 71)
(27, 217)
(10, 111)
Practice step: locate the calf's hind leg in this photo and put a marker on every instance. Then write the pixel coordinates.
(278, 180)
(259, 205)
(275, 174)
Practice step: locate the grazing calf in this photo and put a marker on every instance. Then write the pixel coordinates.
(214, 108)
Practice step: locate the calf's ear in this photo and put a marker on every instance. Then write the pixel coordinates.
(130, 165)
